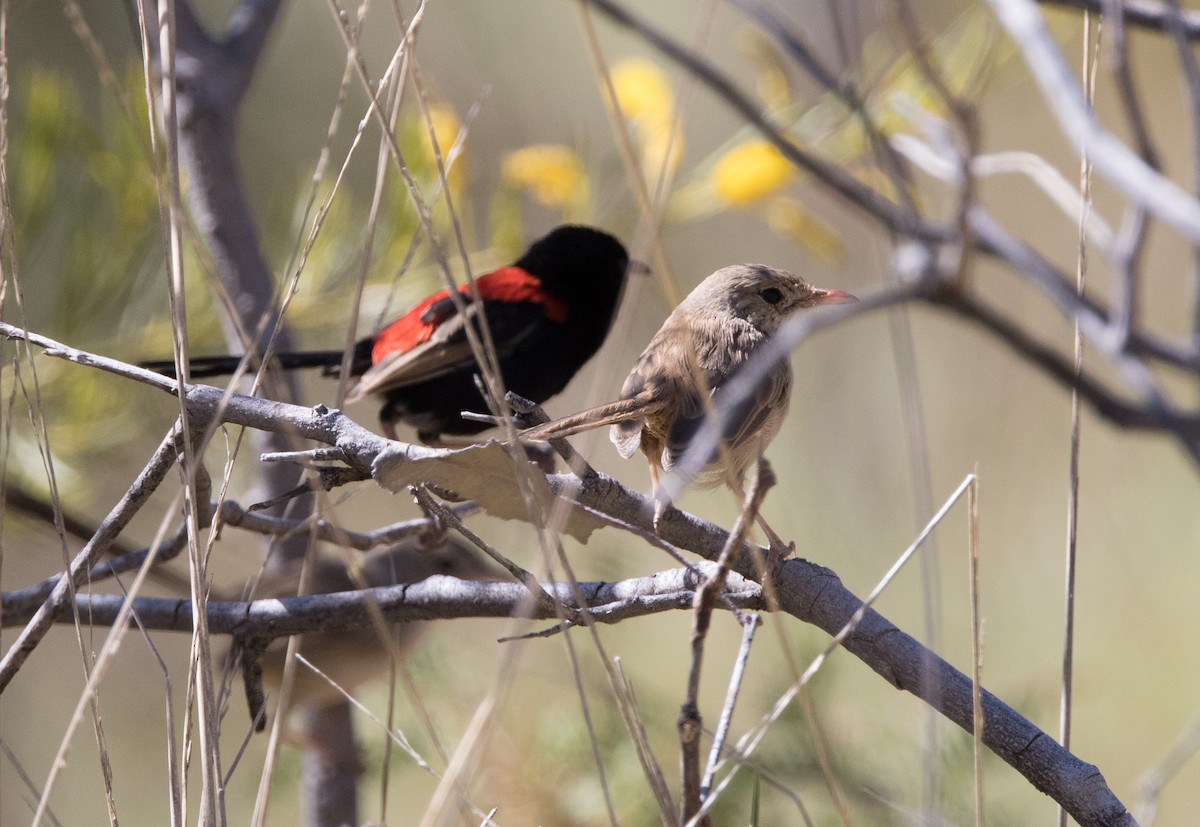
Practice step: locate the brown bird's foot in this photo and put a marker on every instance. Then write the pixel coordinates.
(778, 553)
(661, 500)
(779, 550)
(773, 539)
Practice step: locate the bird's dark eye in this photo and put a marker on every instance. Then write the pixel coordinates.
(772, 295)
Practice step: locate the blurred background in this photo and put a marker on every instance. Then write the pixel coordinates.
(539, 150)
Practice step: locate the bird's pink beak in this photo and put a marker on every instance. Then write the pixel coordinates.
(834, 297)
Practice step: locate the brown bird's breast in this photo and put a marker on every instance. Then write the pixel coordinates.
(692, 357)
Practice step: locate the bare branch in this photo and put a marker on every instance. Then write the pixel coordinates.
(1110, 157)
(690, 722)
(808, 592)
(1147, 14)
(831, 176)
(749, 626)
(437, 597)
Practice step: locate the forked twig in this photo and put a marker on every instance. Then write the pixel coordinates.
(751, 740)
(749, 627)
(690, 723)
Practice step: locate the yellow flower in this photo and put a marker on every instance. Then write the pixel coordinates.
(643, 92)
(749, 172)
(645, 99)
(552, 173)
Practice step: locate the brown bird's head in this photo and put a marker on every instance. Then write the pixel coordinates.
(761, 295)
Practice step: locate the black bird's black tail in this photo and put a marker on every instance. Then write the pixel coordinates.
(204, 366)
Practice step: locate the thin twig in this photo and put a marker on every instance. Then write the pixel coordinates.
(27, 598)
(235, 515)
(627, 702)
(976, 644)
(394, 735)
(690, 724)
(648, 209)
(1130, 242)
(749, 627)
(155, 471)
(1147, 14)
(843, 88)
(1191, 76)
(97, 669)
(1154, 778)
(26, 779)
(1071, 554)
(873, 203)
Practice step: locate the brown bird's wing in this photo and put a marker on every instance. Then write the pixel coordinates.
(661, 377)
(760, 411)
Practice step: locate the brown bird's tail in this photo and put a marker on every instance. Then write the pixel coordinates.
(635, 407)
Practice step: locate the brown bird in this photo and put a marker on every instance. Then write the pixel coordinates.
(698, 350)
(352, 658)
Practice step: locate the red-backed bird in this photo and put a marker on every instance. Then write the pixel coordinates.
(683, 371)
(548, 313)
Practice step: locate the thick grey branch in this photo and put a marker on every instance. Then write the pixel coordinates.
(816, 595)
(435, 598)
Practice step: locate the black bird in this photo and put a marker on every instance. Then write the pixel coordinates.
(548, 314)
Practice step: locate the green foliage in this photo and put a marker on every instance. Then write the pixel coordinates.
(85, 208)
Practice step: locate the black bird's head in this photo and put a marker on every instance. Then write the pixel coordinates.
(586, 268)
(578, 264)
